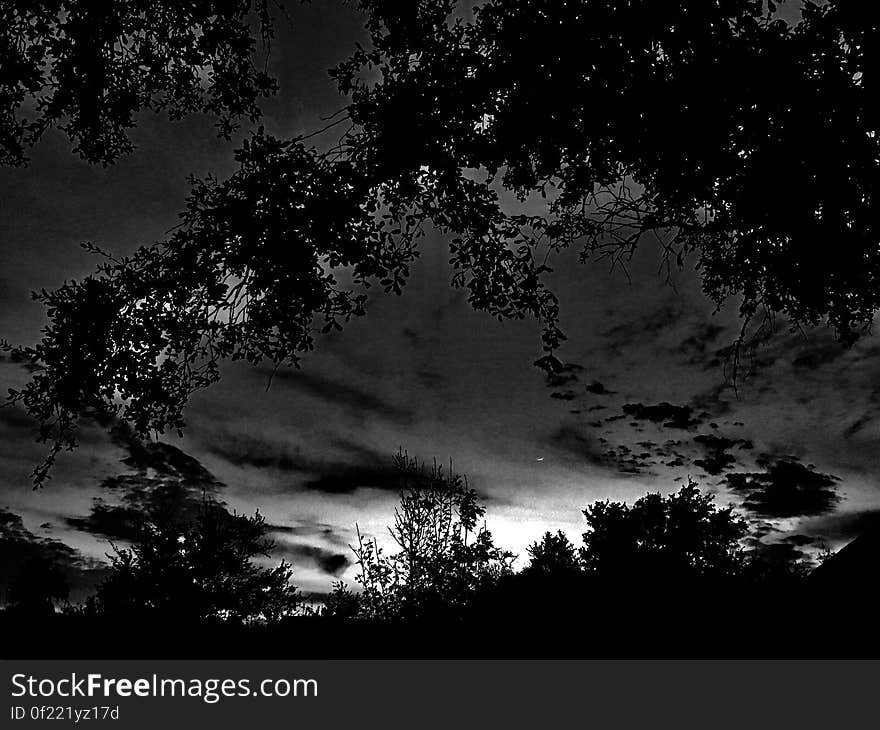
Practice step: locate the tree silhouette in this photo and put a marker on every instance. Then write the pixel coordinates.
(445, 558)
(732, 139)
(341, 603)
(201, 570)
(89, 68)
(663, 540)
(39, 584)
(553, 557)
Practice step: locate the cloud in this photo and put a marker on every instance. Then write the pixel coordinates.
(712, 401)
(646, 328)
(161, 460)
(168, 485)
(818, 354)
(347, 479)
(597, 388)
(314, 529)
(344, 394)
(716, 448)
(858, 425)
(141, 499)
(698, 345)
(786, 488)
(165, 483)
(328, 561)
(620, 459)
(559, 374)
(19, 546)
(244, 450)
(570, 440)
(802, 540)
(343, 468)
(111, 521)
(667, 414)
(844, 526)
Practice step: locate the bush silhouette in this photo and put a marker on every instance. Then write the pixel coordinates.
(445, 557)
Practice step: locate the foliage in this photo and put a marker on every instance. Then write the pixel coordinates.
(196, 571)
(730, 138)
(341, 603)
(681, 536)
(445, 557)
(553, 557)
(88, 68)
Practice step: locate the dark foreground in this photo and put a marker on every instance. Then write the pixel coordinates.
(817, 629)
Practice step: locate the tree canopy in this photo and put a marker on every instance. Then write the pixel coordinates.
(683, 536)
(199, 569)
(88, 68)
(729, 138)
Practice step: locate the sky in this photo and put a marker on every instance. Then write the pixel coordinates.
(643, 405)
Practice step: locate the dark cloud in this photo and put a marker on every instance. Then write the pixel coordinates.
(328, 561)
(162, 460)
(314, 529)
(786, 488)
(19, 547)
(712, 400)
(802, 540)
(620, 459)
(597, 388)
(164, 484)
(140, 499)
(244, 450)
(667, 414)
(559, 374)
(570, 440)
(819, 354)
(342, 467)
(168, 485)
(563, 395)
(346, 479)
(111, 521)
(858, 425)
(645, 328)
(696, 346)
(717, 458)
(346, 395)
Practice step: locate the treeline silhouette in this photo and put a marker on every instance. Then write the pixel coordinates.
(673, 575)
